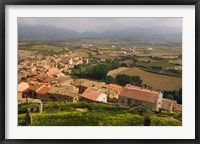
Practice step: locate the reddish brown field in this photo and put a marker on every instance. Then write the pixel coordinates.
(157, 81)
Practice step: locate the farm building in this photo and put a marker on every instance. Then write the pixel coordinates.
(62, 80)
(177, 108)
(168, 105)
(61, 94)
(113, 91)
(32, 90)
(90, 96)
(83, 84)
(51, 80)
(133, 96)
(42, 93)
(171, 105)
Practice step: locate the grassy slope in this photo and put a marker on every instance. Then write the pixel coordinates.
(60, 114)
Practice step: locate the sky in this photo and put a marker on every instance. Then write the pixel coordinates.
(101, 24)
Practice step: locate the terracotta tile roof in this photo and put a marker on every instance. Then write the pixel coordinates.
(92, 89)
(22, 86)
(31, 74)
(115, 87)
(167, 104)
(177, 107)
(29, 63)
(49, 79)
(31, 79)
(77, 82)
(87, 83)
(52, 71)
(69, 87)
(62, 91)
(91, 95)
(26, 90)
(64, 78)
(39, 78)
(43, 90)
(137, 94)
(35, 87)
(141, 89)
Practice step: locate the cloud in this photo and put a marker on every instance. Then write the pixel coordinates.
(101, 24)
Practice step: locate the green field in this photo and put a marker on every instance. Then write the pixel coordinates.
(96, 114)
(157, 81)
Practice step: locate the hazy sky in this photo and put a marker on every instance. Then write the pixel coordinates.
(101, 24)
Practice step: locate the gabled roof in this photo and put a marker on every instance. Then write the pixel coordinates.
(31, 74)
(177, 107)
(64, 78)
(77, 82)
(23, 86)
(35, 87)
(141, 89)
(91, 95)
(87, 83)
(43, 90)
(114, 87)
(167, 104)
(39, 78)
(62, 91)
(138, 94)
(52, 71)
(49, 79)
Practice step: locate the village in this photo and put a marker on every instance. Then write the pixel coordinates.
(46, 78)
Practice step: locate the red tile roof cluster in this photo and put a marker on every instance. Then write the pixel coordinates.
(137, 93)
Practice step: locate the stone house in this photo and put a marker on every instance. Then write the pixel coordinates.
(62, 95)
(177, 108)
(134, 96)
(171, 105)
(64, 80)
(168, 105)
(32, 90)
(113, 91)
(84, 84)
(92, 96)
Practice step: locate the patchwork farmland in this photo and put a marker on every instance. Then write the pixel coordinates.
(157, 81)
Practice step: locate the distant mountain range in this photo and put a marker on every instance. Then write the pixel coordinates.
(151, 34)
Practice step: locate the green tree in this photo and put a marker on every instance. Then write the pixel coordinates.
(123, 79)
(136, 80)
(109, 80)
